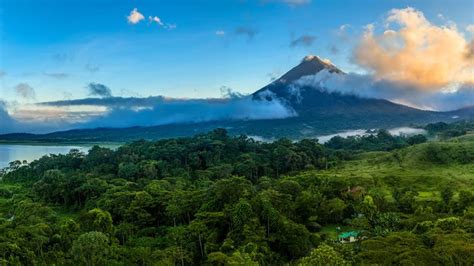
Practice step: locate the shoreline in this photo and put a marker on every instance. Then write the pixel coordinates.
(65, 143)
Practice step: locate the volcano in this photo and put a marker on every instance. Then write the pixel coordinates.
(316, 100)
(310, 65)
(318, 111)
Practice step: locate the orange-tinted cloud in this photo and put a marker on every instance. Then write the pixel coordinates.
(413, 51)
(135, 17)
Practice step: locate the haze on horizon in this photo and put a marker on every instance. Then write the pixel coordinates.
(197, 62)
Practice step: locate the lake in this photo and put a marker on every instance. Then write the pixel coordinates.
(9, 152)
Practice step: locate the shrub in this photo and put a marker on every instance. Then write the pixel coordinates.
(448, 224)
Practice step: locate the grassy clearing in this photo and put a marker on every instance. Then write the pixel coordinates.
(408, 168)
(332, 232)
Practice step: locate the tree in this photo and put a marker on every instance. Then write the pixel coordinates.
(417, 139)
(324, 255)
(292, 239)
(92, 248)
(69, 230)
(465, 200)
(241, 214)
(434, 153)
(405, 199)
(332, 210)
(236, 258)
(369, 209)
(385, 222)
(138, 212)
(446, 194)
(98, 220)
(128, 171)
(51, 186)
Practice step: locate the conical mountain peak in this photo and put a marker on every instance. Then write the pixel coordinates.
(310, 65)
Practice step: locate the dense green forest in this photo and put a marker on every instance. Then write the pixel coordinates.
(216, 199)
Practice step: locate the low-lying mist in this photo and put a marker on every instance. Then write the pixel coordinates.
(154, 111)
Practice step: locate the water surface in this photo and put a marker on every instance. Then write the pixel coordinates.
(9, 152)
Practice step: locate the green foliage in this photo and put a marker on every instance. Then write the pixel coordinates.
(381, 141)
(446, 194)
(445, 153)
(423, 227)
(465, 200)
(92, 248)
(332, 211)
(417, 139)
(214, 199)
(448, 224)
(323, 255)
(97, 220)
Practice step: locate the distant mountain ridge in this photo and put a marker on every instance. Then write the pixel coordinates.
(319, 112)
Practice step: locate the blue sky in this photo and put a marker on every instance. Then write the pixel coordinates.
(58, 47)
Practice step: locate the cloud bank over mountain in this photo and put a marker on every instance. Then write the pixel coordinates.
(368, 86)
(10, 124)
(169, 111)
(153, 111)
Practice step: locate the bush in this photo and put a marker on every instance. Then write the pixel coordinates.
(448, 224)
(423, 227)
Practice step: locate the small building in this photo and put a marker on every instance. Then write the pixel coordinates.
(348, 237)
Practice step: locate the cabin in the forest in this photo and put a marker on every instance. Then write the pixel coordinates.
(348, 237)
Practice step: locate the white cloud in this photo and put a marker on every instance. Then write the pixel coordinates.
(159, 22)
(344, 27)
(135, 16)
(155, 19)
(220, 32)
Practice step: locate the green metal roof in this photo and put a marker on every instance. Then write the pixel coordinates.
(348, 234)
